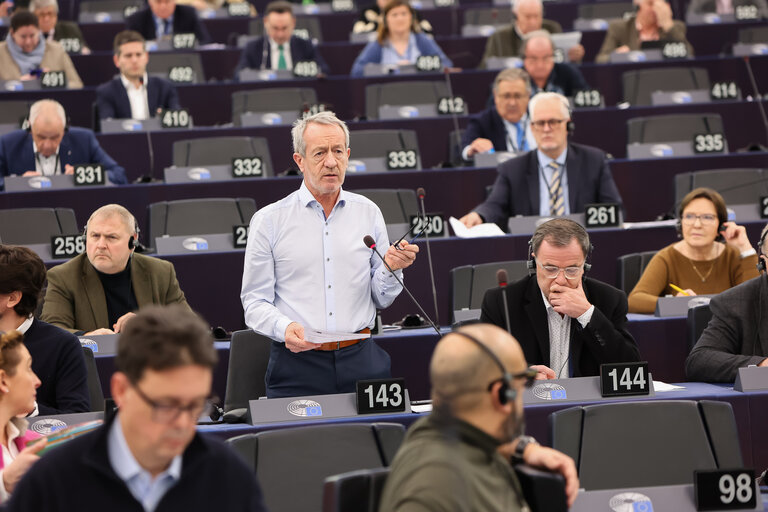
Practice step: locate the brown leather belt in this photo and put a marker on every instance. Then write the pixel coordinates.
(336, 345)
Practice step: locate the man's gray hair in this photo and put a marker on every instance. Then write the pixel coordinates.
(535, 34)
(565, 107)
(326, 118)
(510, 75)
(41, 4)
(518, 3)
(559, 232)
(34, 110)
(116, 210)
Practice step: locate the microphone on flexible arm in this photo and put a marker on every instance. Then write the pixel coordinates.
(150, 176)
(758, 96)
(454, 116)
(420, 193)
(501, 278)
(371, 244)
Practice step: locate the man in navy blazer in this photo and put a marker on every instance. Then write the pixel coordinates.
(528, 184)
(504, 126)
(134, 95)
(49, 147)
(264, 52)
(164, 18)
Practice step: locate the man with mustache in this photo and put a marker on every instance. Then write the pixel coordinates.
(460, 457)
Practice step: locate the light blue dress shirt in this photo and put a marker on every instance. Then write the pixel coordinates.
(512, 135)
(303, 267)
(545, 178)
(390, 56)
(147, 490)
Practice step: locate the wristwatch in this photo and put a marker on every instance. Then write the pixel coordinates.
(522, 443)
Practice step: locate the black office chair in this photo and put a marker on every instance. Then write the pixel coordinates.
(605, 10)
(697, 321)
(161, 63)
(455, 148)
(292, 464)
(198, 216)
(751, 35)
(397, 205)
(640, 84)
(672, 128)
(221, 151)
(495, 16)
(646, 443)
(278, 99)
(470, 282)
(114, 7)
(28, 226)
(737, 186)
(12, 113)
(402, 93)
(377, 143)
(248, 358)
(630, 268)
(95, 393)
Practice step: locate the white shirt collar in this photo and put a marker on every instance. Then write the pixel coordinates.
(125, 464)
(34, 150)
(25, 325)
(128, 85)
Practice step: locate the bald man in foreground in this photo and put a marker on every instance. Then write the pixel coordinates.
(460, 457)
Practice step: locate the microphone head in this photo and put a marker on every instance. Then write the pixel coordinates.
(501, 277)
(369, 241)
(420, 192)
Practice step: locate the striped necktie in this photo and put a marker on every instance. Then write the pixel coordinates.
(556, 200)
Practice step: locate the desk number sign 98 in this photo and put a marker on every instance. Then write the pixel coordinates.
(382, 395)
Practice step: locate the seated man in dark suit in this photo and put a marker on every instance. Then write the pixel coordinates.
(504, 126)
(559, 178)
(57, 357)
(134, 95)
(50, 147)
(529, 16)
(279, 48)
(163, 18)
(737, 335)
(547, 75)
(567, 323)
(99, 291)
(52, 28)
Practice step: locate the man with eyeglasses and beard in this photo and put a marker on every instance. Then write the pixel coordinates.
(460, 457)
(149, 455)
(567, 324)
(559, 178)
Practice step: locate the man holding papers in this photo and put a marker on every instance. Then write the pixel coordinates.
(307, 270)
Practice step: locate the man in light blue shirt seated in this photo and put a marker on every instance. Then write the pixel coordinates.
(149, 455)
(306, 268)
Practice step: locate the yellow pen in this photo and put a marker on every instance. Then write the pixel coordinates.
(678, 289)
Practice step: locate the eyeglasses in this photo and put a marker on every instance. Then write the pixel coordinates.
(168, 412)
(705, 218)
(529, 374)
(551, 271)
(552, 123)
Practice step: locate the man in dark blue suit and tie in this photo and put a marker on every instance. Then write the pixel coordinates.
(49, 147)
(279, 48)
(134, 95)
(164, 18)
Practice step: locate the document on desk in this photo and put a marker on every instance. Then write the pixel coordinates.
(485, 229)
(318, 336)
(659, 386)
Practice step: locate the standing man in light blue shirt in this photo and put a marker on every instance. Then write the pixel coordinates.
(149, 456)
(306, 267)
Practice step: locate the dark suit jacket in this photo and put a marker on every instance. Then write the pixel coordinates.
(506, 43)
(57, 360)
(78, 146)
(112, 98)
(488, 124)
(185, 21)
(75, 297)
(623, 32)
(604, 339)
(301, 49)
(516, 190)
(565, 79)
(737, 335)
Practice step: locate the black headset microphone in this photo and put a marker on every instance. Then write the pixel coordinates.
(420, 193)
(371, 244)
(507, 393)
(501, 278)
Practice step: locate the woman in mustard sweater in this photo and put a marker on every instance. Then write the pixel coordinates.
(712, 256)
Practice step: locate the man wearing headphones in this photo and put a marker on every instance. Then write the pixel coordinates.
(737, 335)
(50, 147)
(557, 179)
(97, 292)
(567, 324)
(460, 457)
